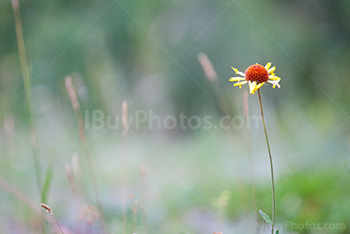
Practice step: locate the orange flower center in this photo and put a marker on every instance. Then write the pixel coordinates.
(257, 73)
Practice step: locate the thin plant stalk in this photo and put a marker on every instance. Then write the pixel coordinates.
(250, 156)
(49, 210)
(123, 178)
(144, 193)
(27, 89)
(59, 226)
(8, 187)
(271, 166)
(76, 106)
(22, 197)
(224, 105)
(134, 216)
(92, 171)
(211, 75)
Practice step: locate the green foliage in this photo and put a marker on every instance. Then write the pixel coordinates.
(265, 217)
(46, 185)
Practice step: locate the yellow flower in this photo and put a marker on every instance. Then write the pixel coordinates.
(256, 76)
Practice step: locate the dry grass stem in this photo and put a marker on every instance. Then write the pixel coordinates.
(71, 93)
(135, 209)
(19, 195)
(207, 67)
(224, 105)
(250, 157)
(75, 103)
(49, 210)
(211, 75)
(123, 177)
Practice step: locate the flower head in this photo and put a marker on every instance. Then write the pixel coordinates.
(256, 76)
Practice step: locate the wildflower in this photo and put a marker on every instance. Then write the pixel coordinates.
(256, 76)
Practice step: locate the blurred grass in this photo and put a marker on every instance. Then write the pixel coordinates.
(109, 52)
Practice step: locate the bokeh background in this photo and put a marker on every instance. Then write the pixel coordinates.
(179, 180)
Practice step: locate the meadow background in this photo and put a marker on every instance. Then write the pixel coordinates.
(179, 180)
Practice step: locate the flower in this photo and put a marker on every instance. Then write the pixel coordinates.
(256, 76)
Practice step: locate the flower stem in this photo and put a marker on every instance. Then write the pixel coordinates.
(271, 165)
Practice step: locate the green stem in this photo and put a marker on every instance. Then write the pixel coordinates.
(27, 88)
(271, 165)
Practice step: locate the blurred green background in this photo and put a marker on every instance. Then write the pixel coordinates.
(185, 180)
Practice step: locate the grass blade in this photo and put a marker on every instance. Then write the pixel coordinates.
(46, 186)
(265, 217)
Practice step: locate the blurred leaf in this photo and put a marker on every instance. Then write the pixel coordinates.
(277, 231)
(265, 217)
(47, 183)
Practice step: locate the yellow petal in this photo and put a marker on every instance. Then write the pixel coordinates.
(238, 72)
(235, 69)
(252, 87)
(268, 65)
(274, 83)
(240, 84)
(272, 70)
(273, 77)
(236, 79)
(259, 86)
